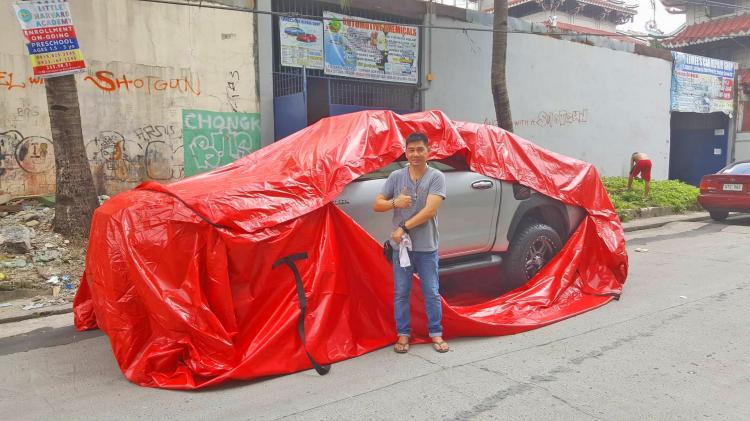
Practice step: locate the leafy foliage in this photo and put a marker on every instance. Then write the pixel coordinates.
(667, 193)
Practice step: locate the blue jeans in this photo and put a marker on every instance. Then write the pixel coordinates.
(426, 265)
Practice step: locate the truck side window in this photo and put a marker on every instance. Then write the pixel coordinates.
(449, 164)
(383, 172)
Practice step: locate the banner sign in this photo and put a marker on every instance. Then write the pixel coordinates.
(368, 49)
(50, 37)
(702, 84)
(301, 42)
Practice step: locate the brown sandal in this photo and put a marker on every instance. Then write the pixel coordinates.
(401, 347)
(438, 346)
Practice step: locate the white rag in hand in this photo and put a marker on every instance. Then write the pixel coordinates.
(404, 247)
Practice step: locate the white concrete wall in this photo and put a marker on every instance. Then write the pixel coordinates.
(591, 103)
(147, 63)
(741, 147)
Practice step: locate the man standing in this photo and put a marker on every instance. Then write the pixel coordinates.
(640, 164)
(414, 194)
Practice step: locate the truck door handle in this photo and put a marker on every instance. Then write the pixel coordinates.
(482, 184)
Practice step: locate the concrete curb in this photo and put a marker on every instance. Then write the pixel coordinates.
(656, 222)
(17, 316)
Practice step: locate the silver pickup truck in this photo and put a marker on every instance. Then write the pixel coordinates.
(483, 222)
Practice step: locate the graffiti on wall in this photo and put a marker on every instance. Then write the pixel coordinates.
(27, 164)
(114, 158)
(162, 146)
(21, 113)
(213, 139)
(560, 118)
(119, 162)
(10, 81)
(108, 82)
(233, 93)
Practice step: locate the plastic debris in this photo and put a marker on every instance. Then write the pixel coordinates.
(5, 305)
(641, 250)
(55, 280)
(67, 284)
(33, 306)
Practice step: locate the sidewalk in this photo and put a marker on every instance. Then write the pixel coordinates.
(15, 313)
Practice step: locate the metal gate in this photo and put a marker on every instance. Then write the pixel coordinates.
(698, 145)
(302, 98)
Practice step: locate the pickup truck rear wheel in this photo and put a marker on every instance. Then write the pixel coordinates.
(532, 248)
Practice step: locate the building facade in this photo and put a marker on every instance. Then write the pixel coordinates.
(720, 29)
(170, 90)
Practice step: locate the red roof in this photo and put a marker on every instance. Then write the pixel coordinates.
(712, 30)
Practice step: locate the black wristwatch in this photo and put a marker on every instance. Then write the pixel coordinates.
(403, 227)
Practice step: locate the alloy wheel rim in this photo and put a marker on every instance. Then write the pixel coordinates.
(537, 255)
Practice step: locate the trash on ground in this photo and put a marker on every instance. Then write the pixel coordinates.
(33, 306)
(641, 250)
(5, 305)
(31, 257)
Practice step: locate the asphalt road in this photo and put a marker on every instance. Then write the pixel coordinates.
(674, 347)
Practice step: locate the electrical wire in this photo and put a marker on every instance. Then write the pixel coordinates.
(440, 27)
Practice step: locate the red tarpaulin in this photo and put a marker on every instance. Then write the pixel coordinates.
(180, 277)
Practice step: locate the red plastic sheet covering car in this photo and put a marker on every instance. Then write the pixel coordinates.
(181, 277)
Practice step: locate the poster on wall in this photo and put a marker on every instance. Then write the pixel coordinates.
(702, 84)
(213, 139)
(301, 42)
(368, 49)
(50, 37)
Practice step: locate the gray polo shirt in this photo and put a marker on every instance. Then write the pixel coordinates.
(423, 237)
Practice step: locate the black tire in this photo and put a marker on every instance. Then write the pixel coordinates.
(718, 215)
(532, 247)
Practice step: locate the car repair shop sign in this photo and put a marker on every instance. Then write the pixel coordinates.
(50, 37)
(702, 84)
(368, 49)
(301, 42)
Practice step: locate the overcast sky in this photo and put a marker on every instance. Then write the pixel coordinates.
(666, 22)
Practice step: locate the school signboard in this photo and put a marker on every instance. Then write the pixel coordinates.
(50, 37)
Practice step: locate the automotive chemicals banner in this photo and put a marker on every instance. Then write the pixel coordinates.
(367, 49)
(301, 42)
(702, 84)
(50, 37)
